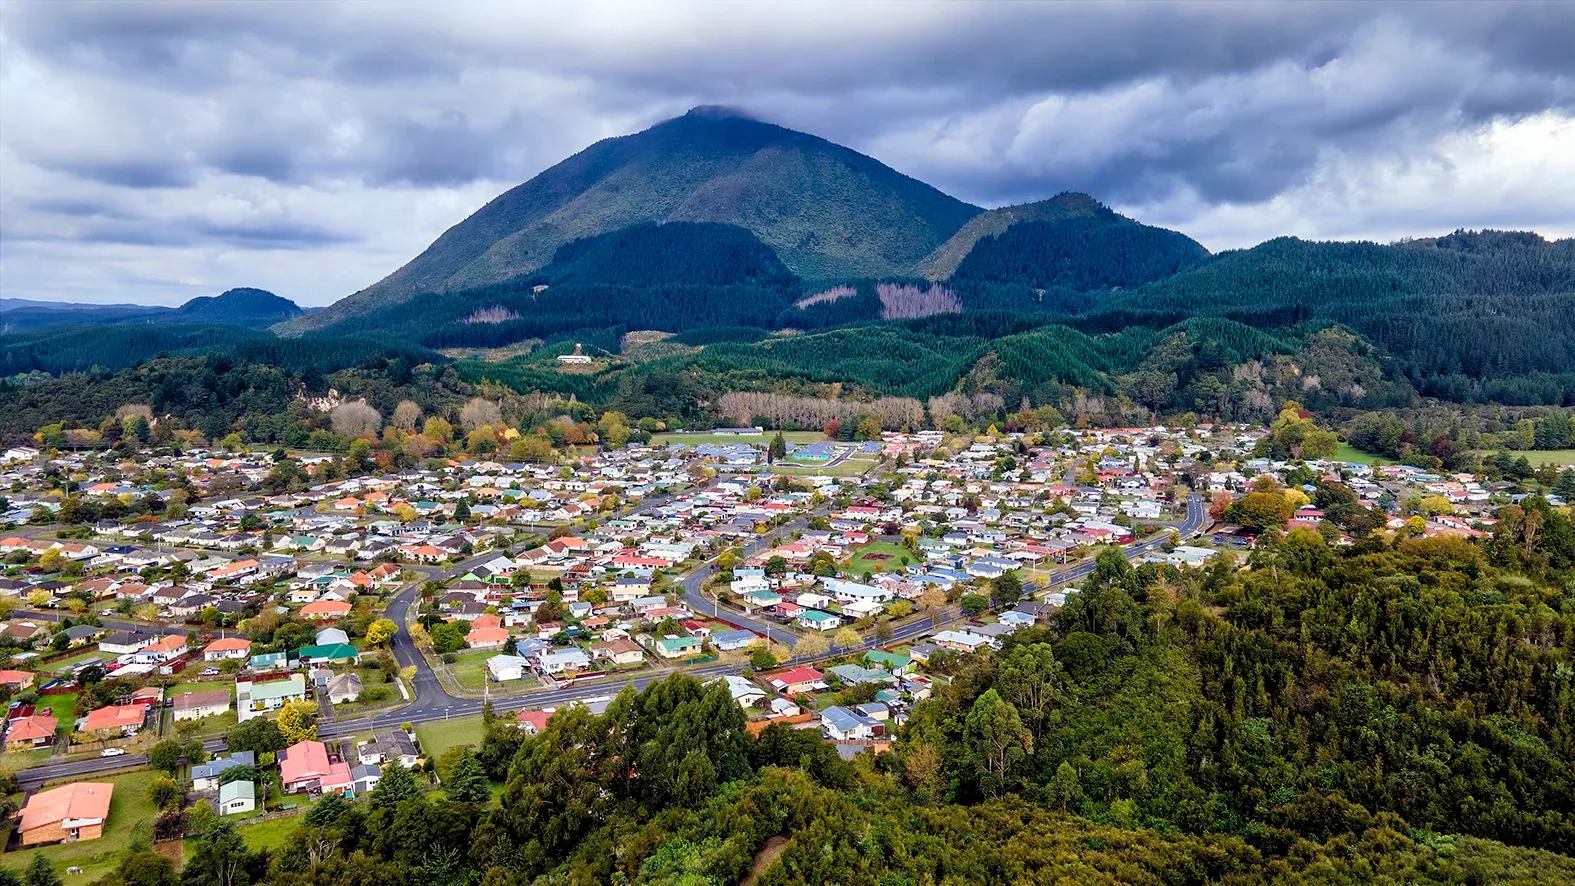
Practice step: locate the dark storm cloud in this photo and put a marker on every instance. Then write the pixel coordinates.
(310, 109)
(836, 79)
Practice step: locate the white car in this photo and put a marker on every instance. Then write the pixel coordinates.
(112, 752)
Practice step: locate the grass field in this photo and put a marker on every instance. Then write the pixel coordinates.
(1563, 458)
(852, 467)
(860, 561)
(765, 437)
(130, 810)
(1349, 453)
(439, 736)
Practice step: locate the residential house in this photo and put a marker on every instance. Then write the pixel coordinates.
(306, 766)
(363, 779)
(205, 776)
(226, 648)
(325, 610)
(36, 731)
(533, 722)
(567, 660)
(72, 812)
(337, 653)
(487, 638)
(816, 620)
(731, 641)
(343, 688)
(844, 724)
(254, 699)
(796, 681)
(237, 797)
(16, 681)
(394, 746)
(114, 721)
(206, 703)
(745, 692)
(507, 668)
(677, 647)
(620, 651)
(271, 661)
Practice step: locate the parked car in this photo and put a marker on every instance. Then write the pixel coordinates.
(112, 752)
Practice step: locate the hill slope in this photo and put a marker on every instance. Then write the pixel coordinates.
(1464, 310)
(941, 263)
(1070, 241)
(827, 210)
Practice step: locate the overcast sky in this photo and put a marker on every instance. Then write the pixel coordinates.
(150, 153)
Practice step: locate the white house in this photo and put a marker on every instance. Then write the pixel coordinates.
(237, 797)
(507, 668)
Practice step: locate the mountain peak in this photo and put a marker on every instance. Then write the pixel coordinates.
(719, 112)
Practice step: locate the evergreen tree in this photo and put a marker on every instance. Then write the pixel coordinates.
(40, 872)
(327, 811)
(397, 785)
(467, 783)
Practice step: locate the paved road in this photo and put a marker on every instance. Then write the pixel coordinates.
(433, 703)
(696, 579)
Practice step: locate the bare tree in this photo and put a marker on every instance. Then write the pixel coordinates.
(406, 416)
(907, 302)
(133, 409)
(831, 294)
(480, 412)
(355, 419)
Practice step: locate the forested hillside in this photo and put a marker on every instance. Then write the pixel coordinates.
(1101, 250)
(684, 253)
(1472, 316)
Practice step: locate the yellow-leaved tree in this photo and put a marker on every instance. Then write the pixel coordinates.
(298, 721)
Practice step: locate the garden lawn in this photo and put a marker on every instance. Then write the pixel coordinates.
(1348, 453)
(270, 834)
(1561, 458)
(64, 665)
(470, 671)
(130, 811)
(861, 562)
(440, 735)
(61, 707)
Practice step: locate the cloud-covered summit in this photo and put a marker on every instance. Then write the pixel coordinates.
(153, 151)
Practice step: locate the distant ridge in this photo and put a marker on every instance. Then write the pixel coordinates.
(242, 306)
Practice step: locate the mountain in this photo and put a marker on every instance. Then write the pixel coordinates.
(827, 210)
(242, 307)
(235, 307)
(1070, 241)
